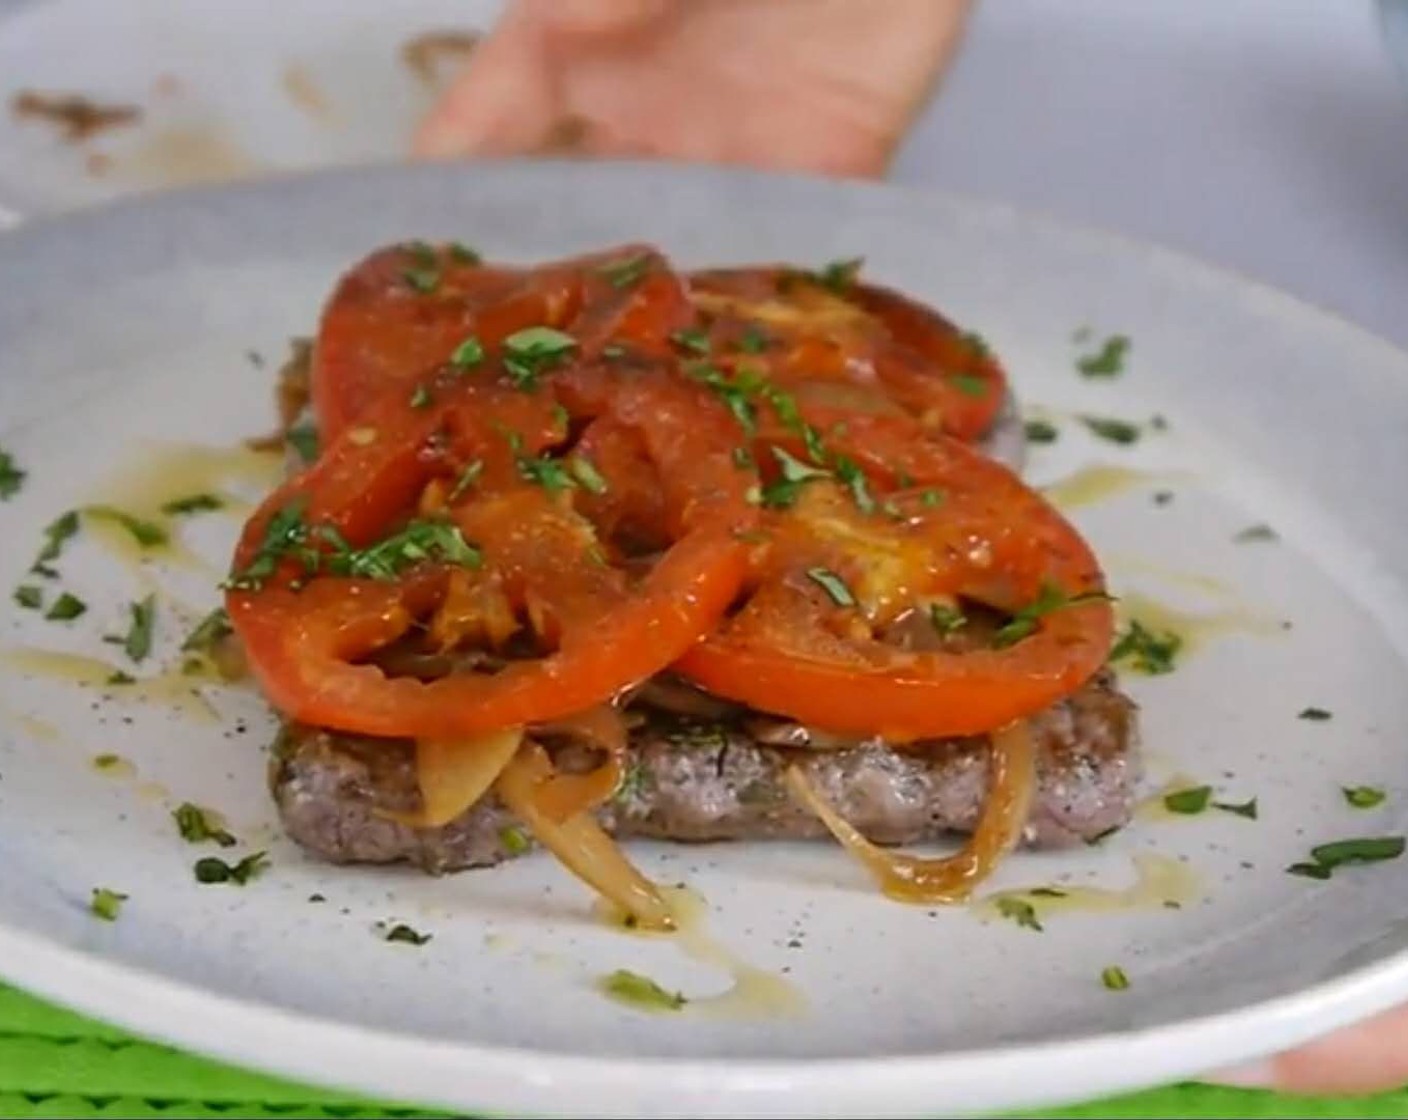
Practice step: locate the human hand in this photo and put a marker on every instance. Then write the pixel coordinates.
(1368, 1058)
(828, 86)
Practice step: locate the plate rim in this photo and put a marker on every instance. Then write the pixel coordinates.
(277, 1039)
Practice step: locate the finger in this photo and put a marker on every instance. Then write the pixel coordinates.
(1368, 1058)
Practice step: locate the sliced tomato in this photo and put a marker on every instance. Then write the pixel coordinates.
(846, 342)
(483, 457)
(831, 581)
(406, 309)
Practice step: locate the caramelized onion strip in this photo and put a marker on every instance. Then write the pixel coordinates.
(1012, 781)
(566, 795)
(579, 842)
(455, 775)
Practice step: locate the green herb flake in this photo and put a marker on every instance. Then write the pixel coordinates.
(1363, 797)
(403, 934)
(1325, 858)
(626, 272)
(976, 343)
(138, 641)
(945, 619)
(1041, 431)
(1240, 809)
(147, 534)
(11, 477)
(212, 869)
(833, 585)
(66, 608)
(1108, 361)
(468, 353)
(423, 280)
(303, 439)
(418, 541)
(1315, 715)
(29, 597)
(106, 904)
(1020, 911)
(1253, 533)
(464, 254)
(586, 473)
(118, 677)
(855, 481)
(56, 534)
(208, 632)
(1114, 978)
(743, 459)
(640, 991)
(1050, 599)
(783, 492)
(931, 498)
(317, 897)
(1046, 892)
(421, 397)
(753, 341)
(107, 761)
(467, 478)
(531, 352)
(1147, 651)
(1188, 802)
(839, 276)
(513, 840)
(969, 385)
(194, 503)
(692, 340)
(1116, 431)
(551, 474)
(197, 825)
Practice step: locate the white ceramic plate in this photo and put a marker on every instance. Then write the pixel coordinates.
(126, 331)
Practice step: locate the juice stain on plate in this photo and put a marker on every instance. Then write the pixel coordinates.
(1161, 883)
(755, 993)
(1091, 485)
(36, 728)
(1193, 629)
(172, 688)
(1127, 564)
(133, 517)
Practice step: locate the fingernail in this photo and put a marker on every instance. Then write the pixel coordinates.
(1254, 1075)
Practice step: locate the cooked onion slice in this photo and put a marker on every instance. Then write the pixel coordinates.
(1012, 780)
(566, 795)
(579, 842)
(455, 775)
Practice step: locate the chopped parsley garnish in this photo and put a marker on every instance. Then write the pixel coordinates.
(406, 935)
(931, 498)
(423, 254)
(420, 397)
(1315, 715)
(211, 869)
(529, 353)
(1243, 809)
(317, 897)
(147, 534)
(11, 477)
(839, 276)
(753, 341)
(1020, 911)
(1147, 651)
(1108, 361)
(467, 478)
(692, 340)
(118, 677)
(1041, 431)
(976, 343)
(29, 597)
(586, 473)
(303, 438)
(106, 904)
(633, 782)
(735, 393)
(833, 585)
(1049, 599)
(1188, 801)
(194, 503)
(1116, 431)
(514, 841)
(468, 353)
(795, 474)
(641, 991)
(1256, 533)
(463, 254)
(1327, 857)
(969, 385)
(854, 480)
(551, 474)
(56, 534)
(624, 273)
(1363, 797)
(107, 761)
(945, 619)
(743, 459)
(1113, 977)
(1046, 892)
(285, 534)
(66, 608)
(417, 541)
(423, 280)
(197, 825)
(213, 628)
(138, 641)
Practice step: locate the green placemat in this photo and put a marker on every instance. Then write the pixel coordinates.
(54, 1063)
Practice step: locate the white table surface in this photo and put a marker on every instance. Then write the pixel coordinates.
(1268, 136)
